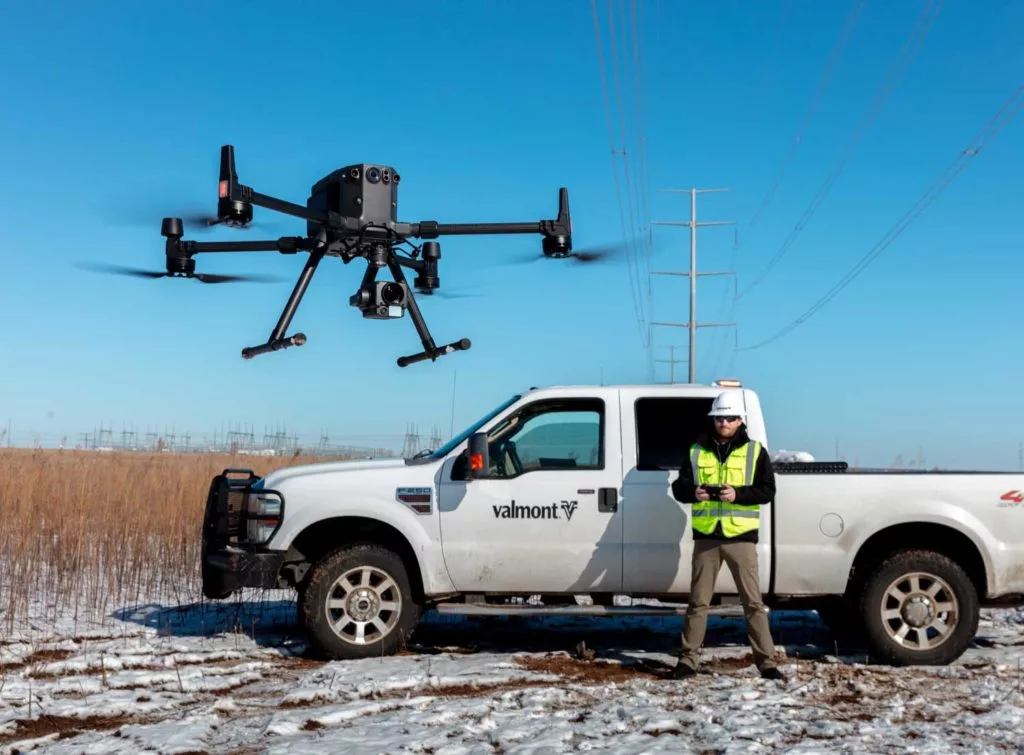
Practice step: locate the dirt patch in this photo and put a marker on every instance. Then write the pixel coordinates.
(65, 726)
(298, 661)
(728, 664)
(595, 671)
(567, 669)
(40, 656)
(476, 690)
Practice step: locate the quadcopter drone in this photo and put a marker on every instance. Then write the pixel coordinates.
(351, 212)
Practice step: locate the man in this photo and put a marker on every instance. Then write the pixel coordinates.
(725, 528)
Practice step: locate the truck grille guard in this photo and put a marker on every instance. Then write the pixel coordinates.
(240, 514)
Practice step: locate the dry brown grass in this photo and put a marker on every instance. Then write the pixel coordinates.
(86, 529)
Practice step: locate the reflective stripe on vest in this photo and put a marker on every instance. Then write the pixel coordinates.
(736, 470)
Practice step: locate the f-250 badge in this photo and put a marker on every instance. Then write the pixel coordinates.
(546, 511)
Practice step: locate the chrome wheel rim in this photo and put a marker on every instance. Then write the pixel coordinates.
(919, 611)
(363, 605)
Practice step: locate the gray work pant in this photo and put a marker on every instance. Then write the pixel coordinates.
(741, 559)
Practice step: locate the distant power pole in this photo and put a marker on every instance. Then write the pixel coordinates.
(692, 274)
(672, 362)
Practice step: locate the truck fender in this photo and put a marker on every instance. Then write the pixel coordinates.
(394, 529)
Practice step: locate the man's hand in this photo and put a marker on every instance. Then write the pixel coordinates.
(702, 494)
(728, 494)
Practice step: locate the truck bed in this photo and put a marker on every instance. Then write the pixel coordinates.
(841, 467)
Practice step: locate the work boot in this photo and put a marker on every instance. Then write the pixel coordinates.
(770, 672)
(681, 671)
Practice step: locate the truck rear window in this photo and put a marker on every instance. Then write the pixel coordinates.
(666, 427)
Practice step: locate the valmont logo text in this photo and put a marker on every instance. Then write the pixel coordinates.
(538, 511)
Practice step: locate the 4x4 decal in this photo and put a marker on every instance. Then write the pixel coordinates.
(1011, 498)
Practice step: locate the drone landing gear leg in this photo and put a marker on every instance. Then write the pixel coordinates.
(277, 339)
(430, 351)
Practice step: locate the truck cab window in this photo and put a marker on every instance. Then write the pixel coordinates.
(547, 435)
(666, 428)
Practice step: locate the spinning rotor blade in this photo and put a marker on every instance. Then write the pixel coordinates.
(202, 277)
(597, 253)
(587, 255)
(196, 217)
(447, 295)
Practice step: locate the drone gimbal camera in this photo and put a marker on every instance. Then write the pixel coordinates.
(350, 213)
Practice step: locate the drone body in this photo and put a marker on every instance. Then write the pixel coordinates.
(367, 194)
(351, 213)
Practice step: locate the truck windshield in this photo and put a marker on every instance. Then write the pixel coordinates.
(447, 448)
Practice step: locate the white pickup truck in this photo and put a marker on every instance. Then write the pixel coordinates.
(565, 492)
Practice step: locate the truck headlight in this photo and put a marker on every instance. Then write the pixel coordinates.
(264, 510)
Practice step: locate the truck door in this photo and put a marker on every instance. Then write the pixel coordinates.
(547, 518)
(659, 427)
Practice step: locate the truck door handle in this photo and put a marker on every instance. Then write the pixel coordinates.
(607, 500)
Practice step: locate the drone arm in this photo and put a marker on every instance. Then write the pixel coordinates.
(277, 339)
(284, 245)
(561, 226)
(428, 229)
(235, 200)
(280, 205)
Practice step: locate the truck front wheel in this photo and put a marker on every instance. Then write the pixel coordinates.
(919, 608)
(358, 603)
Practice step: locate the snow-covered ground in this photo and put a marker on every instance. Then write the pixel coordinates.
(232, 677)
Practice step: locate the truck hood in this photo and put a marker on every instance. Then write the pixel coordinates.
(276, 477)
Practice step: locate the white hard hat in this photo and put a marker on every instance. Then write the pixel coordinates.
(728, 404)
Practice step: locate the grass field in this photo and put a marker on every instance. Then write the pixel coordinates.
(90, 529)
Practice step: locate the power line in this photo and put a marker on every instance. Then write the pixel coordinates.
(835, 55)
(692, 273)
(630, 252)
(643, 199)
(885, 89)
(1007, 113)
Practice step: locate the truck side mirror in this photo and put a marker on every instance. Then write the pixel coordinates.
(478, 457)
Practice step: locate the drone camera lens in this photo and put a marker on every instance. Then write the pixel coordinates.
(391, 293)
(385, 176)
(353, 173)
(373, 175)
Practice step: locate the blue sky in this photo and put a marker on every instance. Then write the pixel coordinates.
(486, 108)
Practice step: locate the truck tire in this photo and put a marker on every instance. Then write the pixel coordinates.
(919, 608)
(358, 603)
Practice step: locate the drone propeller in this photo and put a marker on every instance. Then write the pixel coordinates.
(588, 255)
(202, 277)
(196, 219)
(437, 294)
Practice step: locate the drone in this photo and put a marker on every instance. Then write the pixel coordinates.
(351, 213)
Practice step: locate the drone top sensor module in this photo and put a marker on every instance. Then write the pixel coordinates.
(351, 213)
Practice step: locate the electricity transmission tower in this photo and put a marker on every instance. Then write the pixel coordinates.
(692, 274)
(412, 441)
(672, 362)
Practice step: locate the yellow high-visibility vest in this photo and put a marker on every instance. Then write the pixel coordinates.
(737, 470)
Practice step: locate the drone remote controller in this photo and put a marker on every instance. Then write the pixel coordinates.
(351, 212)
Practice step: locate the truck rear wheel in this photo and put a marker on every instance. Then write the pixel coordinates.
(919, 608)
(358, 603)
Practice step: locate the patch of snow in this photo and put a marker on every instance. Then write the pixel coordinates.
(216, 677)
